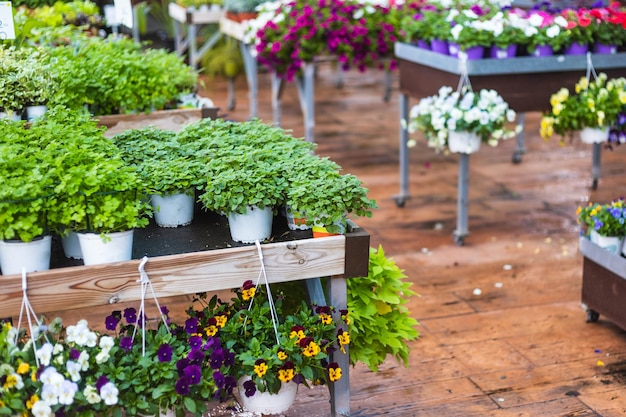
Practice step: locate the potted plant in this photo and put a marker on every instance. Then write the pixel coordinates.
(604, 224)
(468, 32)
(163, 368)
(168, 172)
(56, 369)
(328, 199)
(579, 30)
(546, 33)
(461, 120)
(591, 109)
(25, 198)
(263, 346)
(606, 24)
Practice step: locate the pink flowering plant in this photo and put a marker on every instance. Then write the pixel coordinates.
(301, 31)
(608, 24)
(159, 364)
(56, 371)
(243, 341)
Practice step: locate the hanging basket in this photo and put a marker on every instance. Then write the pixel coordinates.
(265, 402)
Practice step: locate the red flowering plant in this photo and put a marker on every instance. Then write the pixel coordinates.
(579, 28)
(244, 341)
(160, 367)
(301, 31)
(609, 24)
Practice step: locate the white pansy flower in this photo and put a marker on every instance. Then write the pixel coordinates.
(535, 20)
(456, 31)
(92, 339)
(58, 348)
(67, 391)
(103, 356)
(91, 394)
(41, 409)
(109, 393)
(49, 394)
(44, 354)
(83, 360)
(73, 369)
(530, 31)
(106, 343)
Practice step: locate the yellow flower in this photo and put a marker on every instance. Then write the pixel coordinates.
(260, 368)
(248, 293)
(311, 349)
(547, 127)
(211, 330)
(282, 355)
(600, 118)
(10, 382)
(2, 404)
(286, 375)
(221, 321)
(557, 109)
(23, 368)
(578, 210)
(591, 104)
(582, 84)
(31, 401)
(559, 97)
(334, 374)
(622, 96)
(326, 318)
(344, 339)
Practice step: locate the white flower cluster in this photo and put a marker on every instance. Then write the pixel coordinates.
(57, 389)
(536, 22)
(448, 110)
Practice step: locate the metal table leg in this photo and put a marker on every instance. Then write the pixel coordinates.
(595, 167)
(251, 68)
(306, 86)
(462, 202)
(520, 148)
(340, 390)
(387, 81)
(277, 92)
(403, 151)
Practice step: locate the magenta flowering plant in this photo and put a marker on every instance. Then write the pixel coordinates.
(161, 366)
(301, 31)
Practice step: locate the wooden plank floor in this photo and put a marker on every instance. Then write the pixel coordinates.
(521, 347)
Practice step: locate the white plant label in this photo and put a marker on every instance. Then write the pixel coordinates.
(7, 28)
(124, 13)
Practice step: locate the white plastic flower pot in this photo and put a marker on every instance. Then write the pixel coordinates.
(71, 246)
(265, 402)
(256, 224)
(295, 220)
(172, 210)
(33, 112)
(463, 142)
(611, 243)
(33, 256)
(117, 248)
(592, 135)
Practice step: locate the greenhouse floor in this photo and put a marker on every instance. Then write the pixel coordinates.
(502, 329)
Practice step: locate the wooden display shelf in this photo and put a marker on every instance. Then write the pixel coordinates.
(604, 284)
(526, 83)
(194, 16)
(165, 119)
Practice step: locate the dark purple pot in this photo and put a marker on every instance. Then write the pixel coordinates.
(453, 49)
(576, 49)
(474, 52)
(439, 46)
(543, 50)
(503, 53)
(601, 48)
(423, 44)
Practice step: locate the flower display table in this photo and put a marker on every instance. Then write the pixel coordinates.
(604, 283)
(198, 258)
(526, 83)
(305, 83)
(191, 20)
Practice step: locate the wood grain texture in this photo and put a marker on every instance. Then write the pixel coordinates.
(87, 286)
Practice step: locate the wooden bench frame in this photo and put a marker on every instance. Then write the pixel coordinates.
(81, 287)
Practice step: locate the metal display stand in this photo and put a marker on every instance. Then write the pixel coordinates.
(237, 30)
(191, 20)
(526, 83)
